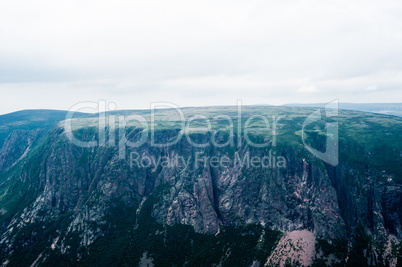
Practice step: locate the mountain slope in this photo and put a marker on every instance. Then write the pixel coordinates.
(382, 108)
(77, 205)
(32, 119)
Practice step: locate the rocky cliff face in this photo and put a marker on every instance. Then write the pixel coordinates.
(66, 203)
(17, 146)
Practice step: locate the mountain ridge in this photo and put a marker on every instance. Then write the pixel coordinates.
(65, 203)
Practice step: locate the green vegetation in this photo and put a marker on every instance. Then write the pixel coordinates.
(369, 144)
(337, 247)
(179, 244)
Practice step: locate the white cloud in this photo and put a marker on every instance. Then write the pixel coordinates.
(198, 52)
(307, 89)
(371, 87)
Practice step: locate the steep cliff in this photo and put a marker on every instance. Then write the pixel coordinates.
(180, 205)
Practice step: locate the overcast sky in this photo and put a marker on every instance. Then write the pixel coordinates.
(54, 54)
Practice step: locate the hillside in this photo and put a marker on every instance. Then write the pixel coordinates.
(382, 108)
(171, 200)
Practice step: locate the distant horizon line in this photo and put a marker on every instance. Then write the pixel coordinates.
(185, 107)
